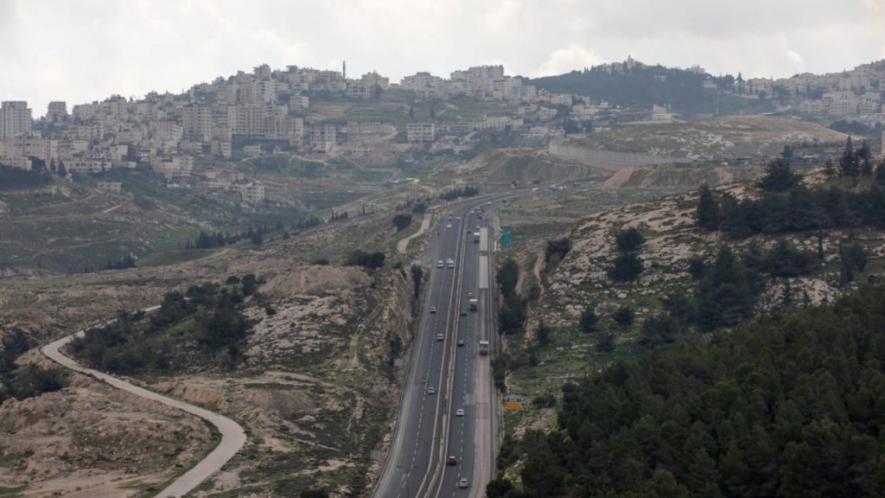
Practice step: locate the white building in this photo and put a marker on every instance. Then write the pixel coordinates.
(250, 193)
(197, 120)
(57, 112)
(420, 132)
(15, 119)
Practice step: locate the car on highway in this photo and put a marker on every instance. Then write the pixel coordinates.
(440, 264)
(469, 293)
(433, 309)
(439, 337)
(452, 460)
(431, 390)
(459, 412)
(463, 312)
(460, 343)
(463, 483)
(451, 262)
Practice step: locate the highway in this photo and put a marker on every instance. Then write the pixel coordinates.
(444, 377)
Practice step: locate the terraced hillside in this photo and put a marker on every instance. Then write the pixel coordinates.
(673, 258)
(720, 138)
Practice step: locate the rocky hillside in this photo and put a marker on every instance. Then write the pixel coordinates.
(673, 259)
(317, 332)
(720, 138)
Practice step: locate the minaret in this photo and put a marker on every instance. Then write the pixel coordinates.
(344, 69)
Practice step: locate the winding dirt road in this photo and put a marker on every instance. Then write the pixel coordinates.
(232, 435)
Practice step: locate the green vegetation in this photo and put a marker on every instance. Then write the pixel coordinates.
(28, 380)
(18, 179)
(642, 86)
(786, 406)
(794, 210)
(779, 176)
(512, 314)
(401, 221)
(556, 250)
(588, 321)
(627, 265)
(204, 326)
(455, 193)
(629, 240)
(708, 210)
(369, 260)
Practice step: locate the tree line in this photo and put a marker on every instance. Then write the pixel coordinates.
(195, 327)
(785, 406)
(466, 191)
(25, 381)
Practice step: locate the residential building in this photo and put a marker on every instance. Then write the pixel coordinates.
(250, 193)
(112, 187)
(57, 112)
(15, 119)
(420, 132)
(197, 120)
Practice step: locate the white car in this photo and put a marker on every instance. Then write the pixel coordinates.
(439, 263)
(463, 483)
(459, 412)
(433, 309)
(431, 390)
(439, 337)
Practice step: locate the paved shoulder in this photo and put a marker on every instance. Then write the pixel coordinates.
(232, 435)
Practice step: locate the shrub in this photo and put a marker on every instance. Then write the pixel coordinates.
(370, 260)
(557, 248)
(588, 321)
(401, 221)
(629, 240)
(626, 267)
(624, 316)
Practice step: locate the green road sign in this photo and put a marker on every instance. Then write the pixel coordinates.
(506, 237)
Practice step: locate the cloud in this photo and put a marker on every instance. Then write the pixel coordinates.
(567, 59)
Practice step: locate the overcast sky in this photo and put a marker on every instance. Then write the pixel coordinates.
(84, 50)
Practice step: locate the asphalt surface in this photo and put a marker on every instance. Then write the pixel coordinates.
(428, 430)
(232, 435)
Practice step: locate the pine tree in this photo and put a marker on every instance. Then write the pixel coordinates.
(862, 161)
(708, 210)
(848, 161)
(779, 177)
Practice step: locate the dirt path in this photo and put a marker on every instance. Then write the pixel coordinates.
(403, 244)
(232, 435)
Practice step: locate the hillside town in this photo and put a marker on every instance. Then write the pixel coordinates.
(194, 138)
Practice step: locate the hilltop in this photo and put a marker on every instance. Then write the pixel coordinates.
(567, 273)
(730, 138)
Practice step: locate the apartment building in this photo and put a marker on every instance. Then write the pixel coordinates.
(197, 121)
(420, 132)
(57, 112)
(15, 119)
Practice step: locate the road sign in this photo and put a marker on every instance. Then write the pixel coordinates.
(506, 237)
(513, 406)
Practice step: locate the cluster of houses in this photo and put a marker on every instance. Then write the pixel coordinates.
(184, 136)
(192, 139)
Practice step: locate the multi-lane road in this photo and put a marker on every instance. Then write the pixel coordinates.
(447, 403)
